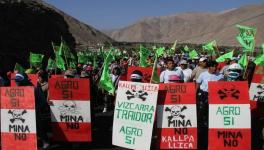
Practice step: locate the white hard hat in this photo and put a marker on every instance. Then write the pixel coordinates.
(235, 66)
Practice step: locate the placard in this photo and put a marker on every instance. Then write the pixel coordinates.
(18, 119)
(70, 109)
(134, 114)
(229, 116)
(176, 116)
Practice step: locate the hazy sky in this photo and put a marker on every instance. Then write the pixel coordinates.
(109, 14)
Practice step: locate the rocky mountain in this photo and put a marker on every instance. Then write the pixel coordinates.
(31, 25)
(195, 27)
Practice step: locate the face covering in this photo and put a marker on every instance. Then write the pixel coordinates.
(232, 76)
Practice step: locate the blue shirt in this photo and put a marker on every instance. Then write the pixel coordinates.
(205, 77)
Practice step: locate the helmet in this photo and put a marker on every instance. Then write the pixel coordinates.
(235, 66)
(234, 72)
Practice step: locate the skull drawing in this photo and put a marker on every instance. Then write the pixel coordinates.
(17, 115)
(136, 94)
(228, 91)
(176, 112)
(69, 107)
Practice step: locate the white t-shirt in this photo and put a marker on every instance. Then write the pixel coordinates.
(164, 76)
(205, 77)
(187, 74)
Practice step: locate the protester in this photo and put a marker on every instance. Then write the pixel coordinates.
(234, 73)
(202, 101)
(136, 76)
(186, 71)
(22, 79)
(199, 69)
(170, 70)
(110, 99)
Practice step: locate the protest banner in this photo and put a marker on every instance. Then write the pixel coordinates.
(229, 116)
(176, 116)
(32, 77)
(18, 119)
(70, 109)
(134, 114)
(57, 76)
(256, 92)
(146, 71)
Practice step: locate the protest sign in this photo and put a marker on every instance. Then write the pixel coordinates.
(18, 119)
(256, 92)
(70, 109)
(146, 72)
(134, 114)
(229, 115)
(176, 116)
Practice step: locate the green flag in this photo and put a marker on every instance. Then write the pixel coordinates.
(82, 58)
(246, 37)
(174, 45)
(193, 54)
(143, 53)
(259, 60)
(171, 51)
(243, 60)
(59, 61)
(185, 49)
(160, 51)
(72, 64)
(154, 76)
(223, 57)
(210, 46)
(65, 51)
(105, 80)
(95, 65)
(35, 58)
(51, 64)
(19, 68)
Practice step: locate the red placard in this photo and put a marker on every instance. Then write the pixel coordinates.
(229, 116)
(229, 139)
(176, 116)
(70, 112)
(222, 92)
(18, 120)
(32, 77)
(145, 71)
(63, 89)
(177, 93)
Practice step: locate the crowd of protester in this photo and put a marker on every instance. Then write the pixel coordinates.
(176, 69)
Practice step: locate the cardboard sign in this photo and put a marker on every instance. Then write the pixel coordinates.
(134, 114)
(256, 92)
(18, 119)
(176, 116)
(145, 71)
(33, 78)
(70, 112)
(229, 116)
